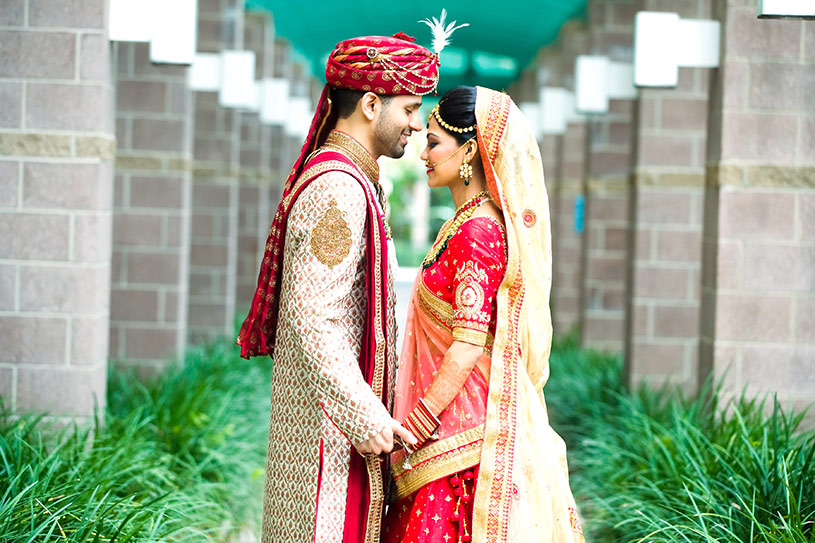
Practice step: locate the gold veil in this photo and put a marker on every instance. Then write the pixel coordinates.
(523, 487)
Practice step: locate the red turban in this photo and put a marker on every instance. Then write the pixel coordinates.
(383, 65)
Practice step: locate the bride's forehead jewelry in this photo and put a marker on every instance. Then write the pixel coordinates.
(434, 164)
(435, 113)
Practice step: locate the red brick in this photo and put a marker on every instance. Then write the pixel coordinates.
(806, 150)
(141, 96)
(688, 114)
(153, 268)
(29, 236)
(63, 391)
(658, 358)
(67, 13)
(761, 39)
(94, 63)
(676, 322)
(736, 84)
(89, 341)
(805, 319)
(780, 268)
(211, 195)
(679, 246)
(604, 331)
(767, 368)
(92, 238)
(13, 14)
(158, 135)
(67, 107)
(796, 92)
(154, 343)
(759, 137)
(202, 314)
(66, 186)
(657, 150)
(137, 229)
(157, 191)
(71, 289)
(11, 96)
(662, 283)
(133, 305)
(33, 340)
(209, 254)
(730, 272)
(661, 207)
(756, 214)
(37, 55)
(753, 318)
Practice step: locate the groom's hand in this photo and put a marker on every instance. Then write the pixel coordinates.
(383, 441)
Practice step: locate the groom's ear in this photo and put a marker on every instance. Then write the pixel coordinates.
(369, 104)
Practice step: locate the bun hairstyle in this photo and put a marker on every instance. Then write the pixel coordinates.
(457, 108)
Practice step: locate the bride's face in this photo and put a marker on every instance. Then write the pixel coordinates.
(441, 157)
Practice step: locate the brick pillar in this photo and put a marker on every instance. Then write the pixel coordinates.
(606, 187)
(565, 185)
(216, 150)
(256, 174)
(758, 294)
(56, 176)
(151, 245)
(666, 252)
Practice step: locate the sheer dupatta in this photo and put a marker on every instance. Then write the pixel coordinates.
(523, 489)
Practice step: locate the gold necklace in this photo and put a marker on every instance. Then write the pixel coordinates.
(464, 212)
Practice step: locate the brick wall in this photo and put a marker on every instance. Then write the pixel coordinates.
(758, 248)
(606, 187)
(151, 241)
(668, 183)
(56, 151)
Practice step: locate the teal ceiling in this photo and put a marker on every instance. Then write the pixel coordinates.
(502, 39)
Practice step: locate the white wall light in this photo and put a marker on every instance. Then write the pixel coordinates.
(591, 84)
(130, 20)
(621, 81)
(205, 72)
(663, 43)
(786, 9)
(554, 103)
(237, 87)
(175, 24)
(274, 103)
(531, 111)
(298, 120)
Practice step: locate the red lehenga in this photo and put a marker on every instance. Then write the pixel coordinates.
(498, 472)
(453, 299)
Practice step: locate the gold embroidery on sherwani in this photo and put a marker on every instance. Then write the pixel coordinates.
(315, 391)
(340, 141)
(331, 238)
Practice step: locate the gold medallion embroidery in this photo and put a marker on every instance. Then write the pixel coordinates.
(331, 238)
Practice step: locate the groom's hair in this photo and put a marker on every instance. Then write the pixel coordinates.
(346, 100)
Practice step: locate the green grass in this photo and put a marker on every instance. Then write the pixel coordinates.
(656, 466)
(177, 459)
(180, 459)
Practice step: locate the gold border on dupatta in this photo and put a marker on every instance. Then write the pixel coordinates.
(439, 459)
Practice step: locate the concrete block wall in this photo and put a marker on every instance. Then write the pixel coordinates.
(254, 195)
(606, 187)
(152, 196)
(56, 180)
(665, 252)
(215, 187)
(570, 163)
(758, 249)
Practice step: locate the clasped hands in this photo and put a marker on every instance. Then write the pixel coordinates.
(384, 441)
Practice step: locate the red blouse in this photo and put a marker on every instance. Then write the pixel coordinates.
(459, 289)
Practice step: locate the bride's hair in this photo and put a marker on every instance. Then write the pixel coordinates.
(457, 108)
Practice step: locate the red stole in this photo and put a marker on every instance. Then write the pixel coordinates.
(365, 484)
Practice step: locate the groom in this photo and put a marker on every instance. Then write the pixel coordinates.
(324, 302)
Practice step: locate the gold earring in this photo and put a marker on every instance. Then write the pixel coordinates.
(465, 171)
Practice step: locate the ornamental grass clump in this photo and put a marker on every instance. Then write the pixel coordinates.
(657, 466)
(178, 459)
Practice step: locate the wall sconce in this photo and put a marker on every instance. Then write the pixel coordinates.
(786, 9)
(598, 79)
(169, 25)
(205, 73)
(274, 102)
(237, 88)
(663, 43)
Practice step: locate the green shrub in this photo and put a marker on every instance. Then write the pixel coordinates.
(179, 458)
(656, 466)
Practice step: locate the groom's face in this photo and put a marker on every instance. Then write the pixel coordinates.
(398, 119)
